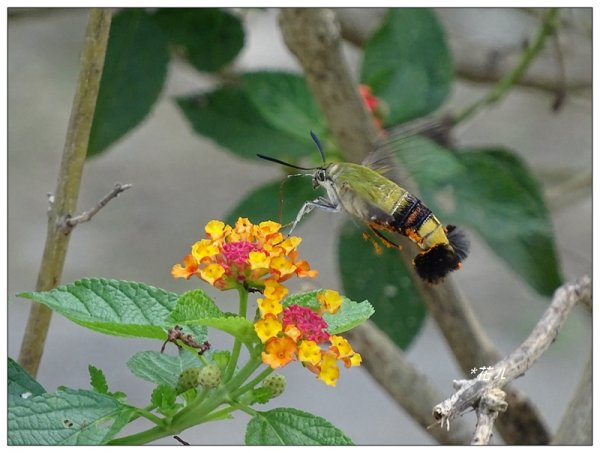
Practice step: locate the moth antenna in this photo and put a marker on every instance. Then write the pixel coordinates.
(280, 162)
(318, 143)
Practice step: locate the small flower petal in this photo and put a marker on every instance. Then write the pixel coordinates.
(279, 351)
(274, 290)
(269, 306)
(329, 369)
(267, 327)
(189, 268)
(309, 352)
(330, 300)
(212, 272)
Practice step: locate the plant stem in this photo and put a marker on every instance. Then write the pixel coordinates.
(237, 345)
(250, 385)
(143, 437)
(69, 181)
(506, 83)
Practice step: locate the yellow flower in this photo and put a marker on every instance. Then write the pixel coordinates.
(329, 370)
(212, 272)
(290, 244)
(258, 260)
(215, 229)
(309, 352)
(269, 306)
(203, 249)
(268, 227)
(282, 267)
(343, 351)
(274, 290)
(267, 327)
(330, 300)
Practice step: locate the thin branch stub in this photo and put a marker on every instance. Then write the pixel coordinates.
(68, 222)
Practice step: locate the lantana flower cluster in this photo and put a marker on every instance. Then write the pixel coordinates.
(256, 256)
(298, 333)
(260, 258)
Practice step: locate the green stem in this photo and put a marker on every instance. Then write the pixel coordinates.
(150, 416)
(248, 410)
(144, 437)
(217, 415)
(250, 385)
(237, 345)
(507, 82)
(194, 413)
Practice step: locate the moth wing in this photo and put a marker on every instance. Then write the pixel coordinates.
(382, 157)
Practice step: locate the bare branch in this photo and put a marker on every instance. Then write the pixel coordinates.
(65, 196)
(470, 392)
(490, 405)
(70, 222)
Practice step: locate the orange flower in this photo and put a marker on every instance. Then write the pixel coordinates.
(189, 268)
(279, 351)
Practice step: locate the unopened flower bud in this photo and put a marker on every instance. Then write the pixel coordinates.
(276, 383)
(188, 379)
(210, 376)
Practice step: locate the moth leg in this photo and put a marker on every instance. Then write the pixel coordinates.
(320, 203)
(385, 240)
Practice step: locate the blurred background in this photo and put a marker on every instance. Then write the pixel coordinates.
(182, 180)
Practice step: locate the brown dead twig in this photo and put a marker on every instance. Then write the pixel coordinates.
(483, 393)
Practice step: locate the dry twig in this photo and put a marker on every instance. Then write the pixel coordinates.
(470, 392)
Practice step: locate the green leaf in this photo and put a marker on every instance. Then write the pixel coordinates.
(113, 307)
(385, 280)
(286, 426)
(349, 315)
(134, 72)
(284, 100)
(67, 417)
(228, 117)
(209, 37)
(161, 369)
(164, 397)
(98, 380)
(240, 328)
(21, 385)
(196, 308)
(221, 359)
(493, 192)
(304, 299)
(277, 200)
(408, 64)
(194, 304)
